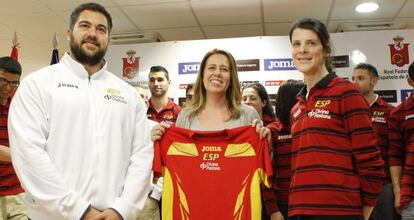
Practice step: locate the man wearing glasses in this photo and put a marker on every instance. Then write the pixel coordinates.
(11, 193)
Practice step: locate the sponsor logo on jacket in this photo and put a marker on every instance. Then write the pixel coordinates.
(114, 95)
(67, 85)
(319, 113)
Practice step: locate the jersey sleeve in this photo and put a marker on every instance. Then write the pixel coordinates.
(396, 150)
(157, 163)
(364, 147)
(265, 163)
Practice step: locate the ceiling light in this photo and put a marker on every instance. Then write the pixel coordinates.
(366, 7)
(358, 57)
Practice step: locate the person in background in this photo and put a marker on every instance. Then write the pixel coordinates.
(255, 95)
(366, 77)
(401, 152)
(143, 93)
(11, 192)
(151, 209)
(189, 93)
(276, 199)
(79, 135)
(336, 163)
(161, 108)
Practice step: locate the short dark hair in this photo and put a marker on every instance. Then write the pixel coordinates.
(154, 69)
(261, 91)
(286, 99)
(320, 29)
(91, 7)
(369, 67)
(10, 65)
(411, 71)
(189, 86)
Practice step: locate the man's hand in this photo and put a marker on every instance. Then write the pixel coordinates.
(366, 211)
(277, 216)
(5, 154)
(91, 214)
(108, 214)
(397, 198)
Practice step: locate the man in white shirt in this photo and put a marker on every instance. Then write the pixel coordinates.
(79, 135)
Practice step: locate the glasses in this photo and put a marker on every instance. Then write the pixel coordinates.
(4, 82)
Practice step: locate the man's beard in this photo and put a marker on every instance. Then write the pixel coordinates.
(158, 93)
(84, 58)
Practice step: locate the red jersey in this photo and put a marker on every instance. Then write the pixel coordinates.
(281, 164)
(212, 175)
(380, 111)
(336, 163)
(9, 183)
(267, 119)
(401, 147)
(168, 113)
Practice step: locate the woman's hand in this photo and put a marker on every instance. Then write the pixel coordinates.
(158, 131)
(277, 216)
(261, 130)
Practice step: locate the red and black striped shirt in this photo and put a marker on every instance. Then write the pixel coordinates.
(9, 183)
(281, 164)
(401, 146)
(380, 111)
(336, 163)
(267, 119)
(168, 113)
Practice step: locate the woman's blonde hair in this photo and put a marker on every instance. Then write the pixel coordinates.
(233, 93)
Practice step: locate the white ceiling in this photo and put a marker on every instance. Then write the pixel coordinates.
(36, 21)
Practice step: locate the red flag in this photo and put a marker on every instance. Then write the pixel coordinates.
(399, 52)
(14, 53)
(131, 65)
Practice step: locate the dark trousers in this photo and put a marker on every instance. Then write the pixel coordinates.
(326, 217)
(384, 208)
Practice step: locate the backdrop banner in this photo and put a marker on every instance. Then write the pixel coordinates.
(268, 60)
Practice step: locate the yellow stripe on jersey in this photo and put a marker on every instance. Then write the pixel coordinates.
(263, 177)
(240, 150)
(238, 208)
(185, 212)
(167, 196)
(255, 195)
(183, 149)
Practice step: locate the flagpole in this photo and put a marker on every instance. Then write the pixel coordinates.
(55, 51)
(15, 52)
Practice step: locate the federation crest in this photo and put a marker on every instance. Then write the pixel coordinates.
(399, 52)
(131, 65)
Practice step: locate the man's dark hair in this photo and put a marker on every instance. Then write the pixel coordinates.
(91, 7)
(159, 69)
(10, 65)
(411, 71)
(369, 67)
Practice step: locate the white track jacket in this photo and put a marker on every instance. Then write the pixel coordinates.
(78, 141)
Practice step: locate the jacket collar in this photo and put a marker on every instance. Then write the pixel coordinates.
(79, 70)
